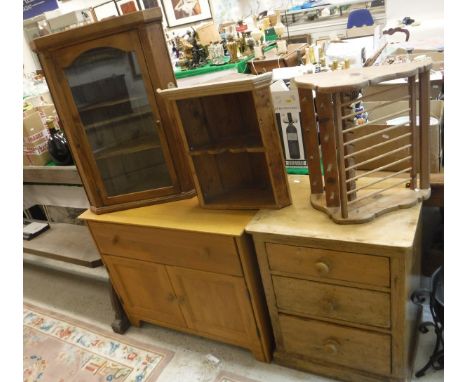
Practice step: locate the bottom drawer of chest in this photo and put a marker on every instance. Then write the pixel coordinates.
(355, 348)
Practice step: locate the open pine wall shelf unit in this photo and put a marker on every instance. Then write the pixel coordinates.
(232, 143)
(102, 78)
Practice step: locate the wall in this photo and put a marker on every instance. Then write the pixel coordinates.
(416, 9)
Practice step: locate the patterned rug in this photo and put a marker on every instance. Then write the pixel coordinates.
(59, 349)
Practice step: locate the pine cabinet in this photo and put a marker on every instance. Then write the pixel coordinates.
(187, 268)
(339, 296)
(102, 78)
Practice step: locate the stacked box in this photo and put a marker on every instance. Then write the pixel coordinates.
(35, 135)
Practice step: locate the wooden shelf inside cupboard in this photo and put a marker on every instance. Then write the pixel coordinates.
(234, 148)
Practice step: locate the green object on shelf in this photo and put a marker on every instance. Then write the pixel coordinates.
(297, 171)
(270, 34)
(240, 65)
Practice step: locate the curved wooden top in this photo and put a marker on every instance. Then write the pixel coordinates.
(95, 30)
(249, 83)
(358, 78)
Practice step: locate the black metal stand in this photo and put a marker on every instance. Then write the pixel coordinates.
(436, 306)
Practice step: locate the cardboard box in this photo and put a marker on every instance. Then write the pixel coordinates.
(35, 135)
(435, 140)
(288, 122)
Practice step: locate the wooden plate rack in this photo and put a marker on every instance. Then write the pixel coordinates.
(328, 120)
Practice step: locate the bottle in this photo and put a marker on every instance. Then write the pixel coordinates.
(57, 144)
(293, 142)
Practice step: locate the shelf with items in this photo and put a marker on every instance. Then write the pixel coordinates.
(107, 104)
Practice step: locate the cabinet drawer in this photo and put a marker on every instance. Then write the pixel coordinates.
(358, 349)
(214, 253)
(315, 299)
(366, 269)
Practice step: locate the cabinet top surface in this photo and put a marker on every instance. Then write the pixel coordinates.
(300, 219)
(184, 215)
(96, 30)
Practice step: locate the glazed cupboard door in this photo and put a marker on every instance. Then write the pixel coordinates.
(145, 290)
(214, 304)
(107, 88)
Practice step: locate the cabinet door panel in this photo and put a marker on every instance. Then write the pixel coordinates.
(107, 84)
(214, 304)
(145, 290)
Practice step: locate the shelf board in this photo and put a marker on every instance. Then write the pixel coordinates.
(249, 143)
(245, 198)
(109, 122)
(104, 104)
(133, 146)
(70, 243)
(51, 175)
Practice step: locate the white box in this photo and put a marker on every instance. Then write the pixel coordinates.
(288, 122)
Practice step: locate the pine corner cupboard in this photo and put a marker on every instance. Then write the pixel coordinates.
(102, 78)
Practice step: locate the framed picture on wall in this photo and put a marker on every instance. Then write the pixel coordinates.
(179, 12)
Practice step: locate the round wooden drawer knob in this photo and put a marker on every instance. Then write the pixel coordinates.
(115, 239)
(331, 347)
(322, 268)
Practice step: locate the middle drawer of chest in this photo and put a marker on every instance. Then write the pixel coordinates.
(320, 300)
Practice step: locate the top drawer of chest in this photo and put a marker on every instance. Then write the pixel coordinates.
(213, 253)
(327, 264)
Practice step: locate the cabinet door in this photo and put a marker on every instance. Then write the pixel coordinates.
(145, 290)
(114, 120)
(214, 304)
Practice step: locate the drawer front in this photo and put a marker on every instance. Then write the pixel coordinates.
(355, 348)
(366, 269)
(213, 253)
(313, 299)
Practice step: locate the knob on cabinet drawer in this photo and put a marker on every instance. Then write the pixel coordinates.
(331, 346)
(322, 268)
(115, 239)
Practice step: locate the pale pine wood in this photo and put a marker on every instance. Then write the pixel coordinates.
(208, 260)
(358, 78)
(339, 265)
(145, 290)
(194, 250)
(203, 296)
(349, 347)
(181, 215)
(324, 301)
(309, 322)
(70, 243)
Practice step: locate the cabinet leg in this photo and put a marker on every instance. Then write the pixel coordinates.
(260, 355)
(121, 322)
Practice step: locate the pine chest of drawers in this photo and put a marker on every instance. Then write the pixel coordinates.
(186, 268)
(338, 295)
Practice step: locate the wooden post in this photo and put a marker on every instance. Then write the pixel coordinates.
(341, 161)
(424, 117)
(310, 138)
(348, 136)
(328, 142)
(414, 133)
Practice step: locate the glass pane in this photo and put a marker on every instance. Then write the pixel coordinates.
(108, 90)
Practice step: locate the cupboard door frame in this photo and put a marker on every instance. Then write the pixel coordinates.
(160, 273)
(189, 308)
(63, 58)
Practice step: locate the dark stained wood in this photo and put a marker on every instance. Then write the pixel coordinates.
(121, 322)
(140, 33)
(51, 175)
(229, 132)
(328, 142)
(424, 118)
(310, 138)
(66, 242)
